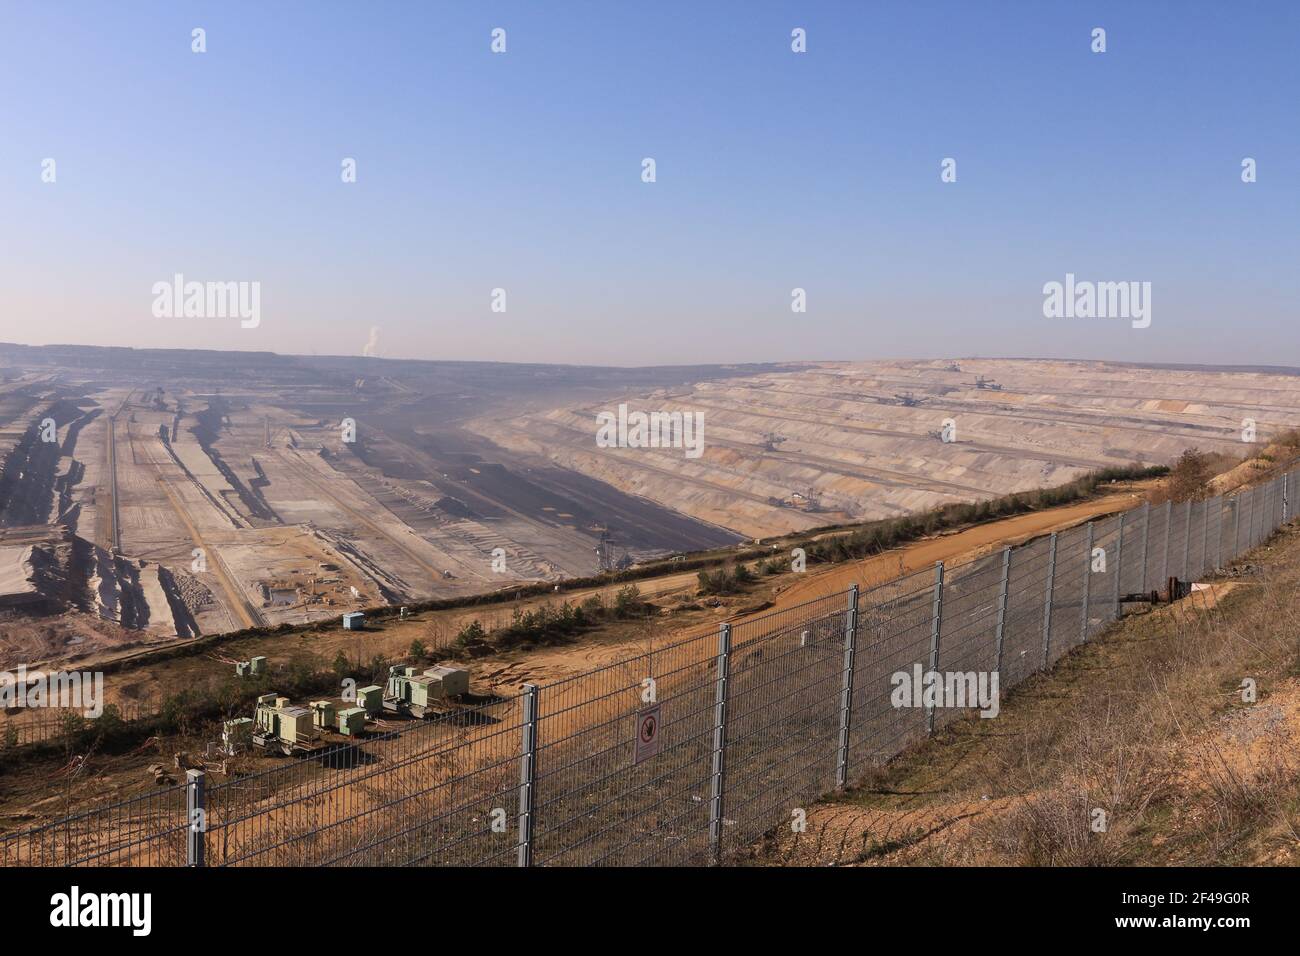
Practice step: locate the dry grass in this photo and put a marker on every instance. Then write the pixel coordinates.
(1146, 725)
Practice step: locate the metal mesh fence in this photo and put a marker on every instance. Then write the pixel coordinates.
(895, 624)
(751, 721)
(1067, 593)
(1157, 540)
(430, 791)
(147, 831)
(968, 624)
(594, 803)
(783, 715)
(1022, 641)
(1103, 576)
(1129, 551)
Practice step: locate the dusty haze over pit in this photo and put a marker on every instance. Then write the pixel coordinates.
(191, 492)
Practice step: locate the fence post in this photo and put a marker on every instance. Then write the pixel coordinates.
(1286, 501)
(1146, 537)
(1047, 603)
(1169, 526)
(719, 775)
(936, 628)
(527, 774)
(1002, 608)
(196, 815)
(1087, 582)
(1119, 566)
(846, 688)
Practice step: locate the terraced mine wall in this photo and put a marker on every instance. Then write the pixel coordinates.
(750, 722)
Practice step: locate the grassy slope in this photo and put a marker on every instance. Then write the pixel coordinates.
(1146, 724)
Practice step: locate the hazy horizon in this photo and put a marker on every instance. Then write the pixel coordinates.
(934, 357)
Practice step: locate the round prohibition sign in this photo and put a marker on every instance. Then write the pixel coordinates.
(648, 724)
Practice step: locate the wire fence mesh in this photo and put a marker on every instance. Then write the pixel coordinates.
(751, 721)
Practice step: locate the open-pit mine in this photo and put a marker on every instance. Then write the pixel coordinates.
(154, 496)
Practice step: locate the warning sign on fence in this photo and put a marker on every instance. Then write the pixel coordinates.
(647, 734)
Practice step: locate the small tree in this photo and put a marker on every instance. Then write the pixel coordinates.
(627, 602)
(1190, 475)
(471, 633)
(341, 665)
(418, 651)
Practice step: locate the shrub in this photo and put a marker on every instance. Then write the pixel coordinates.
(471, 633)
(1189, 477)
(341, 666)
(628, 603)
(725, 580)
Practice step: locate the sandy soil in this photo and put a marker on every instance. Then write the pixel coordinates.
(507, 672)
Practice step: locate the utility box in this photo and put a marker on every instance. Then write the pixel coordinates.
(295, 724)
(236, 735)
(257, 665)
(409, 692)
(354, 621)
(352, 721)
(323, 713)
(267, 716)
(448, 681)
(282, 726)
(404, 687)
(243, 668)
(370, 699)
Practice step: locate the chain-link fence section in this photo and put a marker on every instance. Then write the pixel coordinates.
(684, 754)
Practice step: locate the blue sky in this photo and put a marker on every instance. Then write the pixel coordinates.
(775, 170)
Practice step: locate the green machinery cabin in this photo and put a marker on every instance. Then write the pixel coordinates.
(352, 721)
(408, 691)
(370, 699)
(282, 726)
